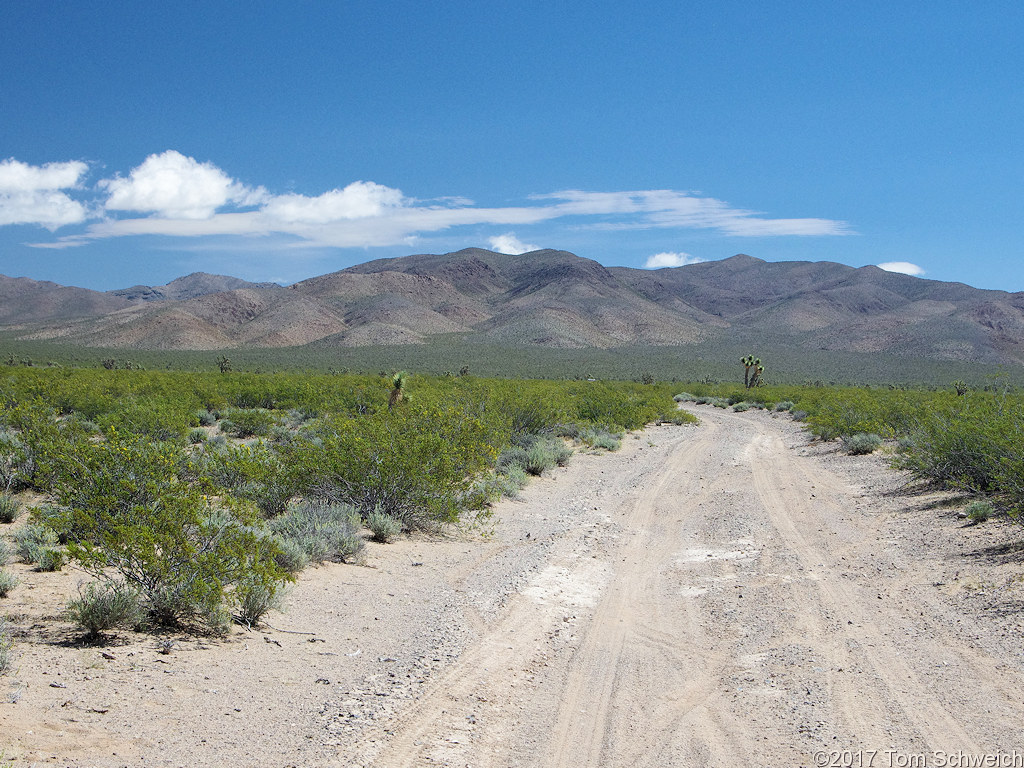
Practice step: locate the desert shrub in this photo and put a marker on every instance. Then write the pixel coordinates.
(139, 518)
(684, 397)
(324, 531)
(862, 443)
(384, 527)
(539, 459)
(742, 406)
(105, 605)
(9, 508)
(51, 559)
(248, 422)
(33, 540)
(205, 418)
(784, 405)
(197, 436)
(16, 462)
(969, 446)
(511, 480)
(280, 434)
(571, 431)
(6, 647)
(799, 415)
(217, 618)
(630, 406)
(155, 416)
(5, 552)
(290, 557)
(979, 511)
(8, 581)
(419, 464)
(600, 437)
(253, 600)
(513, 456)
(528, 418)
(253, 473)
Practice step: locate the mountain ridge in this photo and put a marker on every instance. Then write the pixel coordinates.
(547, 297)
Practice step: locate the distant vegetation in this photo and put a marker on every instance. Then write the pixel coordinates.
(714, 363)
(957, 437)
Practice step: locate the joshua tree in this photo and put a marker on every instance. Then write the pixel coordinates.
(224, 364)
(398, 382)
(752, 370)
(960, 387)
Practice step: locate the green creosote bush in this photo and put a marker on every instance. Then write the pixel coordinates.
(33, 540)
(9, 508)
(253, 473)
(8, 581)
(383, 526)
(419, 464)
(862, 443)
(139, 518)
(248, 422)
(17, 463)
(979, 511)
(324, 531)
(105, 605)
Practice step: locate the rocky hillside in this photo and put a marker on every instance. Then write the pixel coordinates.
(548, 298)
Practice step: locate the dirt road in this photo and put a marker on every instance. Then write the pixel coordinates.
(734, 605)
(718, 595)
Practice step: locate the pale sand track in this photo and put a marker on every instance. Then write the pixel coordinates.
(728, 630)
(717, 595)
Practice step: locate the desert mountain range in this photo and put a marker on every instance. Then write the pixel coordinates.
(548, 298)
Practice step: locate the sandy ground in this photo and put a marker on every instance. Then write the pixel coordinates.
(725, 594)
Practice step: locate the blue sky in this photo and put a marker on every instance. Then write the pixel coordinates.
(277, 141)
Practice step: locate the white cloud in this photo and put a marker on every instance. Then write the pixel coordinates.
(31, 194)
(509, 243)
(359, 200)
(669, 259)
(171, 194)
(16, 176)
(903, 267)
(174, 186)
